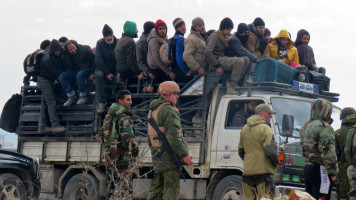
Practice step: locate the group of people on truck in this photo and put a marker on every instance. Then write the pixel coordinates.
(154, 58)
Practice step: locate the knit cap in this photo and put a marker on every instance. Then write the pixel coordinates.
(107, 31)
(177, 22)
(258, 22)
(226, 23)
(242, 28)
(148, 26)
(130, 28)
(197, 22)
(159, 22)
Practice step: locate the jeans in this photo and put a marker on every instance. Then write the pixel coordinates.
(100, 86)
(48, 103)
(67, 78)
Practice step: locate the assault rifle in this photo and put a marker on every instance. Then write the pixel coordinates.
(165, 146)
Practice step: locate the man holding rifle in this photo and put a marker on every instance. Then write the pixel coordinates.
(165, 138)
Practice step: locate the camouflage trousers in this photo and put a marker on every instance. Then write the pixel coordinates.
(118, 180)
(257, 186)
(343, 185)
(166, 186)
(351, 174)
(237, 65)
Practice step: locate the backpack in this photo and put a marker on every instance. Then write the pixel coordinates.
(31, 64)
(167, 50)
(11, 113)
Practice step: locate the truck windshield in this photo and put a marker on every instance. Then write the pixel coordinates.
(301, 112)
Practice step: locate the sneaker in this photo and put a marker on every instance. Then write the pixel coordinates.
(46, 129)
(101, 108)
(70, 101)
(58, 129)
(82, 100)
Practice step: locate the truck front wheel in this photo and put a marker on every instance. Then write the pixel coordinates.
(81, 187)
(229, 188)
(11, 187)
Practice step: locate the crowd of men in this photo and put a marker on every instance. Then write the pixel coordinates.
(122, 59)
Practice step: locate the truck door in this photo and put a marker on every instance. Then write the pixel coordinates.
(231, 122)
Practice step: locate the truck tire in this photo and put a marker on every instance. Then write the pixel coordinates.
(12, 187)
(229, 188)
(81, 187)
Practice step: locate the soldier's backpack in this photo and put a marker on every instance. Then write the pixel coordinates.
(167, 50)
(31, 64)
(11, 113)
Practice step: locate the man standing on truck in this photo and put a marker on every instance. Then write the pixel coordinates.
(120, 144)
(348, 120)
(318, 147)
(258, 150)
(166, 183)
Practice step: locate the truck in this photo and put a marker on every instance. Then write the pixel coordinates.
(66, 159)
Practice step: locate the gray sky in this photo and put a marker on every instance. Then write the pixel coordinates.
(25, 24)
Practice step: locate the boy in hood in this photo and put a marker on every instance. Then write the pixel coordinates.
(125, 54)
(257, 145)
(160, 71)
(318, 146)
(105, 62)
(281, 48)
(257, 29)
(50, 69)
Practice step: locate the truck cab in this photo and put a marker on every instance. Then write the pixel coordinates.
(77, 154)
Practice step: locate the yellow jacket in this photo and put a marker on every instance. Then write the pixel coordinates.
(292, 52)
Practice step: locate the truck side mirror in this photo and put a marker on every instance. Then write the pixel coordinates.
(287, 125)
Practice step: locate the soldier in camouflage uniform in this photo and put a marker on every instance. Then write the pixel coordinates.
(343, 186)
(318, 147)
(166, 183)
(350, 153)
(119, 141)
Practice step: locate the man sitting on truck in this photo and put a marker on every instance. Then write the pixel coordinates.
(241, 116)
(258, 150)
(105, 65)
(166, 183)
(217, 43)
(119, 141)
(257, 29)
(50, 69)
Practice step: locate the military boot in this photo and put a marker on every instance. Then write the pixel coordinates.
(230, 87)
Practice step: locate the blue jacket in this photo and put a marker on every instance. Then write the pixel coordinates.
(179, 53)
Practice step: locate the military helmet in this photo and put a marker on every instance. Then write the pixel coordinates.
(347, 111)
(168, 87)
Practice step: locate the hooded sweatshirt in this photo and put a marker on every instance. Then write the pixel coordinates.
(305, 52)
(51, 65)
(119, 135)
(273, 47)
(169, 118)
(317, 137)
(257, 146)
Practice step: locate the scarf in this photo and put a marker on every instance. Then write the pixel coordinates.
(223, 39)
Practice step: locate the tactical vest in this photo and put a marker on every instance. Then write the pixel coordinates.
(153, 135)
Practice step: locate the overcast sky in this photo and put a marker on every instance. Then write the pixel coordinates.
(25, 24)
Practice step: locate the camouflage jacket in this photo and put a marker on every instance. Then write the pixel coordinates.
(340, 141)
(317, 139)
(350, 147)
(169, 118)
(119, 135)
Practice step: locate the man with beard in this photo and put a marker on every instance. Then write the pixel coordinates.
(194, 47)
(241, 116)
(105, 65)
(257, 29)
(125, 53)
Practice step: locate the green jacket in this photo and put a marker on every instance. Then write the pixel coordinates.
(340, 141)
(350, 147)
(257, 147)
(125, 54)
(317, 138)
(119, 135)
(169, 118)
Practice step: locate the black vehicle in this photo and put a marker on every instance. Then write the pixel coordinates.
(19, 176)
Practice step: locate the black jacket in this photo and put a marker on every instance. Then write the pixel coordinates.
(125, 53)
(237, 49)
(105, 57)
(84, 59)
(51, 65)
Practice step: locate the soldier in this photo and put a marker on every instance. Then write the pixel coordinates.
(318, 147)
(257, 145)
(119, 141)
(350, 152)
(166, 184)
(348, 120)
